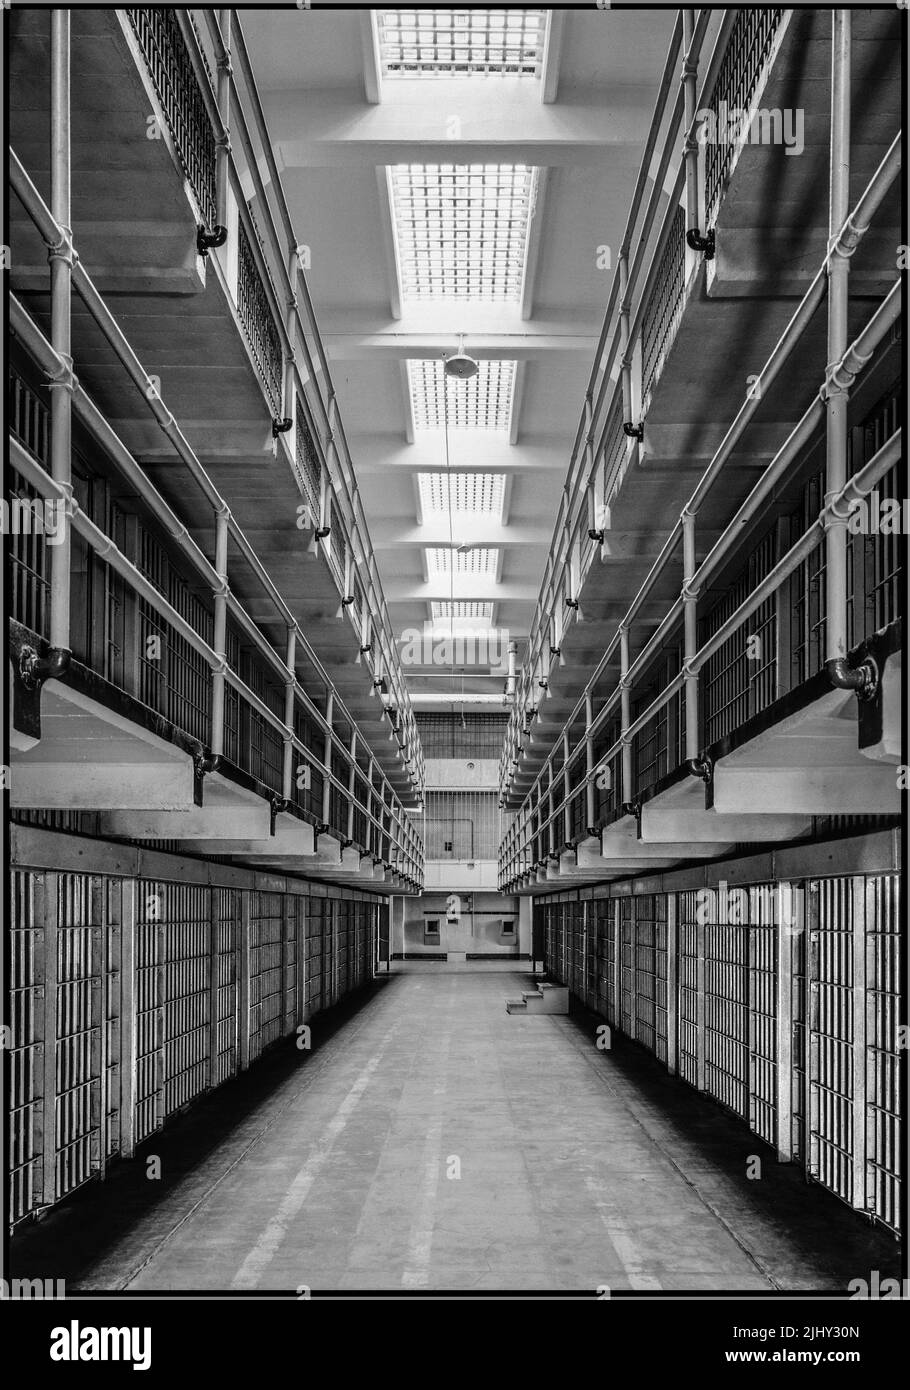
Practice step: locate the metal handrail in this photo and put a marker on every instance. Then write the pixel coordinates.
(332, 428)
(616, 328)
(405, 837)
(851, 362)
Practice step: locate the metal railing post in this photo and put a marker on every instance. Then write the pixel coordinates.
(223, 85)
(566, 791)
(625, 717)
(551, 823)
(836, 393)
(625, 360)
(219, 635)
(327, 758)
(695, 240)
(590, 806)
(352, 774)
(62, 384)
(287, 778)
(690, 635)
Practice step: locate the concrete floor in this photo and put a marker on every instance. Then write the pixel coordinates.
(431, 1141)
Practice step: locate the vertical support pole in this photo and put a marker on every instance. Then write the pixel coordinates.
(243, 979)
(128, 1067)
(352, 779)
(625, 717)
(836, 394)
(61, 263)
(791, 922)
(327, 758)
(551, 823)
(46, 904)
(590, 468)
(783, 600)
(566, 792)
(672, 987)
(690, 635)
(223, 101)
(289, 388)
(590, 804)
(290, 709)
(371, 807)
(690, 144)
(625, 361)
(220, 594)
(858, 997)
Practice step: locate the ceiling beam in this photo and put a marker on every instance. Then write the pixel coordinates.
(319, 128)
(502, 347)
(389, 239)
(552, 54)
(369, 45)
(387, 533)
(470, 451)
(533, 244)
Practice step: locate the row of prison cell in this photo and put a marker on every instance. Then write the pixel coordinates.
(177, 74)
(120, 637)
(778, 1001)
(653, 301)
(779, 649)
(132, 997)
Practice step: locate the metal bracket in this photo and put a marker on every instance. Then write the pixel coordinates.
(322, 531)
(701, 767)
(862, 679)
(280, 425)
(202, 763)
(632, 808)
(632, 431)
(31, 668)
(207, 241)
(277, 804)
(696, 242)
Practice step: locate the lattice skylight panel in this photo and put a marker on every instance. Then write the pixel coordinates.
(476, 560)
(461, 611)
(479, 494)
(483, 402)
(461, 43)
(463, 229)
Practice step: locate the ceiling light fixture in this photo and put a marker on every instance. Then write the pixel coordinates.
(460, 365)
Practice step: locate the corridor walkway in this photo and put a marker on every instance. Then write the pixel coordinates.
(431, 1141)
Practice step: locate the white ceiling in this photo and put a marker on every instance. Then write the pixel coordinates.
(318, 76)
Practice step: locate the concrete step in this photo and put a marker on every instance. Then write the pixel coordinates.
(516, 1006)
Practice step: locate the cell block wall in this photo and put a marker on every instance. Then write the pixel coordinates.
(777, 1000)
(133, 996)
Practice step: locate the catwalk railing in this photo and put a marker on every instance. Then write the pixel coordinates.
(201, 71)
(132, 996)
(606, 736)
(780, 1000)
(137, 618)
(643, 313)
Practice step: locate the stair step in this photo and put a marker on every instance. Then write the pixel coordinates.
(516, 1006)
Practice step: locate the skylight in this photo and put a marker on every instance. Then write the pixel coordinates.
(460, 43)
(483, 402)
(475, 493)
(480, 560)
(462, 611)
(463, 229)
